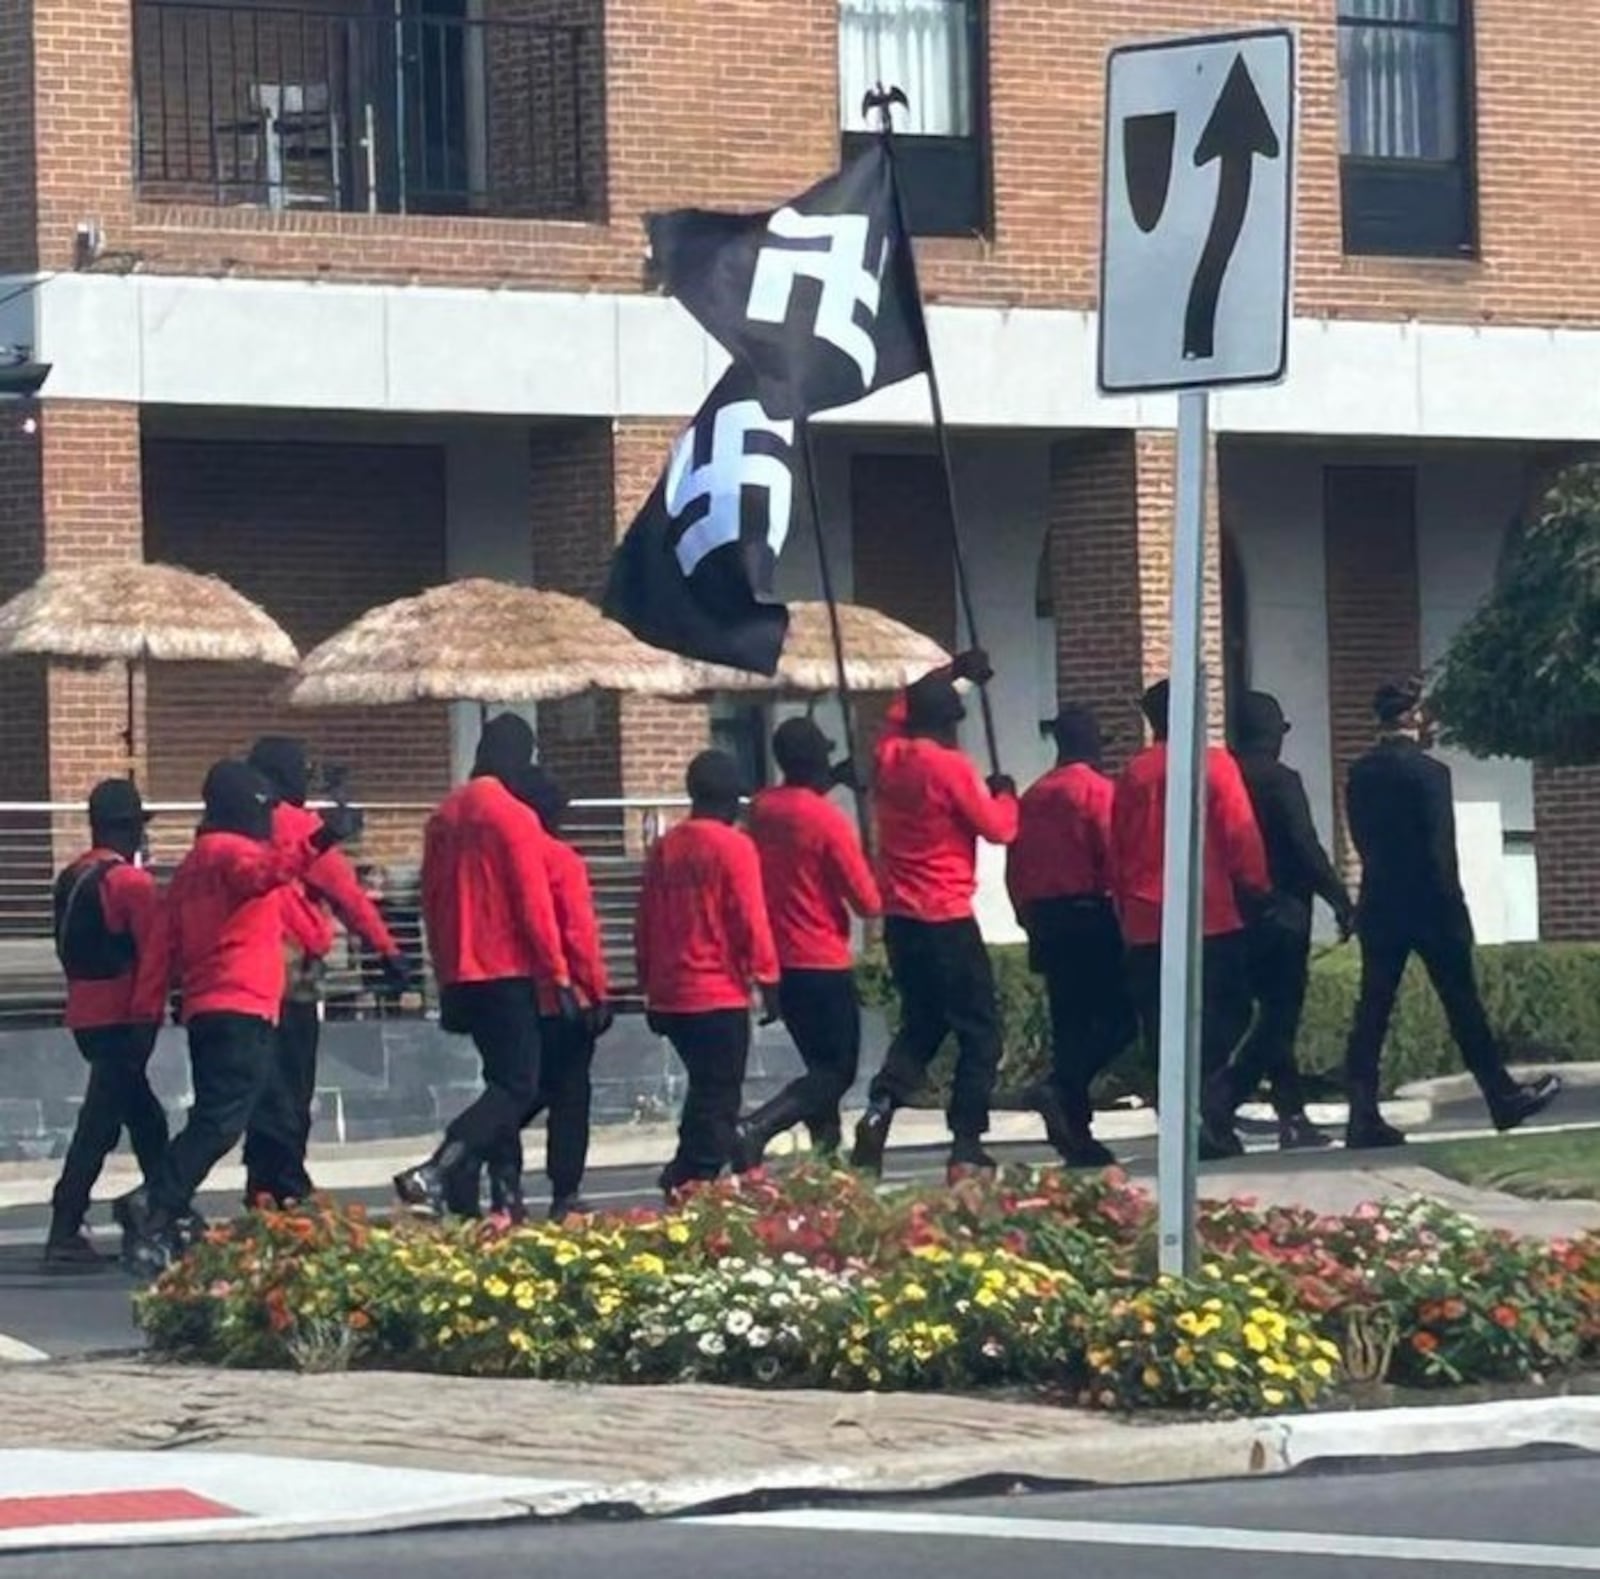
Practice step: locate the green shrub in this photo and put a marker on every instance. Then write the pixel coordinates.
(1543, 998)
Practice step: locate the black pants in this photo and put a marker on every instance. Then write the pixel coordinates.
(713, 1048)
(1076, 946)
(117, 1097)
(1280, 966)
(502, 1018)
(822, 1013)
(270, 1168)
(946, 984)
(231, 1060)
(566, 1059)
(1448, 959)
(1224, 996)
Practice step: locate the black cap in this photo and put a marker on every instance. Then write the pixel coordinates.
(933, 703)
(714, 779)
(116, 803)
(1077, 733)
(1259, 719)
(281, 760)
(237, 799)
(800, 749)
(1396, 698)
(1156, 705)
(505, 748)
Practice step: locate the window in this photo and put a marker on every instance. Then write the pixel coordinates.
(1405, 127)
(932, 51)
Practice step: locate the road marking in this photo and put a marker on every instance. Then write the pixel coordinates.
(13, 1351)
(1093, 1532)
(156, 1506)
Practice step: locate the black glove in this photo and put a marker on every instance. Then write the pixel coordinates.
(599, 1019)
(397, 974)
(973, 665)
(340, 824)
(768, 993)
(1002, 784)
(843, 775)
(1345, 918)
(568, 1007)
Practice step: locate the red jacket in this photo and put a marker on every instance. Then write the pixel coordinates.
(573, 897)
(932, 809)
(1234, 858)
(813, 874)
(702, 934)
(330, 878)
(226, 906)
(486, 897)
(1063, 848)
(132, 906)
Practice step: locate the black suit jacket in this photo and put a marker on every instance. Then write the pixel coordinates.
(1299, 865)
(1403, 820)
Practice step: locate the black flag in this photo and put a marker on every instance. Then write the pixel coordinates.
(818, 298)
(694, 573)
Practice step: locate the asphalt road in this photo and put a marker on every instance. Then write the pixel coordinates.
(75, 1313)
(1477, 1521)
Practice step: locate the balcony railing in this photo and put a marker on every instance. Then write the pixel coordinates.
(347, 111)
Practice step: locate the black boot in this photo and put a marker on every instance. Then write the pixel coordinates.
(505, 1191)
(1520, 1103)
(1368, 1130)
(1218, 1138)
(827, 1138)
(463, 1191)
(968, 1160)
(1296, 1132)
(68, 1245)
(1072, 1138)
(872, 1136)
(755, 1132)
(569, 1204)
(423, 1189)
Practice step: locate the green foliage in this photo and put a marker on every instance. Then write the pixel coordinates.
(1522, 677)
(1543, 999)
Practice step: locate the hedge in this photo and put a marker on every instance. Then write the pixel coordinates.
(1543, 999)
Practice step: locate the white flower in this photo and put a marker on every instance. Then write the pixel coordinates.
(758, 1277)
(738, 1322)
(712, 1343)
(793, 1258)
(697, 1321)
(778, 1300)
(758, 1337)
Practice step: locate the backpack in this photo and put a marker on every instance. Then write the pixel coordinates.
(87, 948)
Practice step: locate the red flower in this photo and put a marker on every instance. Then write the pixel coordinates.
(1504, 1316)
(1424, 1342)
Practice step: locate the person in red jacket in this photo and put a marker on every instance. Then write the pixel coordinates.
(931, 811)
(566, 1045)
(329, 886)
(702, 940)
(492, 932)
(226, 915)
(1059, 876)
(1235, 874)
(111, 938)
(815, 874)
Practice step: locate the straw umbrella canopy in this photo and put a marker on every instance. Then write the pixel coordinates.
(486, 642)
(880, 654)
(134, 612)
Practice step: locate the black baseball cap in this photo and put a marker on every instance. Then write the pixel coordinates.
(1395, 698)
(798, 746)
(1260, 717)
(117, 803)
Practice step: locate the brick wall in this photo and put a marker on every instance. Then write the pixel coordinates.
(17, 176)
(1374, 614)
(317, 534)
(1110, 549)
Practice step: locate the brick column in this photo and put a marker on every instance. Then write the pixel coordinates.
(1110, 538)
(589, 479)
(69, 495)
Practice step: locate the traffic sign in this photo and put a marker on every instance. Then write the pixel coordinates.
(1196, 248)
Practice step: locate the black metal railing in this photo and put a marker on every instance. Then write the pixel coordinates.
(416, 110)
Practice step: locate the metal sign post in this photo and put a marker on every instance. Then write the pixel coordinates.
(1195, 287)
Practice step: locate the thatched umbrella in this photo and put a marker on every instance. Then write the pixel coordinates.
(486, 642)
(133, 612)
(880, 654)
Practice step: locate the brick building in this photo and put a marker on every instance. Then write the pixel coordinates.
(348, 297)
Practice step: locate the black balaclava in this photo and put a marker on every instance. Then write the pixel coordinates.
(117, 817)
(505, 748)
(1077, 733)
(803, 754)
(1259, 724)
(714, 786)
(543, 796)
(1156, 705)
(238, 799)
(282, 762)
(934, 708)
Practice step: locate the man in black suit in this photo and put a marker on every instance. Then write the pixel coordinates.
(1279, 933)
(1402, 818)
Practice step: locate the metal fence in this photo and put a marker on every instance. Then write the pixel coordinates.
(335, 109)
(38, 838)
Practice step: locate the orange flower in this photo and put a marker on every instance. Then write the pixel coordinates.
(360, 1319)
(1424, 1343)
(1504, 1316)
(1430, 1311)
(1454, 1309)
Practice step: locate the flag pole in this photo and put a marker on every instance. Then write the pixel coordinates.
(881, 100)
(830, 597)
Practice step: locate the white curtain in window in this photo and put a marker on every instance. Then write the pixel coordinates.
(919, 46)
(1400, 86)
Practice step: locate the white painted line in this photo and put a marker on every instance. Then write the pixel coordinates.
(13, 1351)
(1091, 1532)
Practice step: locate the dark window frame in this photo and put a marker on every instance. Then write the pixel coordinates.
(1381, 215)
(947, 183)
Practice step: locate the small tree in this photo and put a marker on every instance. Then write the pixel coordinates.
(1522, 677)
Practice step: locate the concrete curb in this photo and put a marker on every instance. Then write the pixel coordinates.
(1463, 1088)
(377, 1499)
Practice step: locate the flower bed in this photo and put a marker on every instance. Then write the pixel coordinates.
(1046, 1281)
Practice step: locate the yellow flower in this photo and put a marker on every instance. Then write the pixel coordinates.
(913, 1294)
(1274, 1395)
(1151, 1377)
(522, 1293)
(972, 1258)
(1226, 1361)
(678, 1233)
(651, 1265)
(1187, 1321)
(496, 1286)
(1255, 1338)
(1322, 1369)
(934, 1253)
(567, 1253)
(1183, 1354)
(1213, 1305)
(986, 1297)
